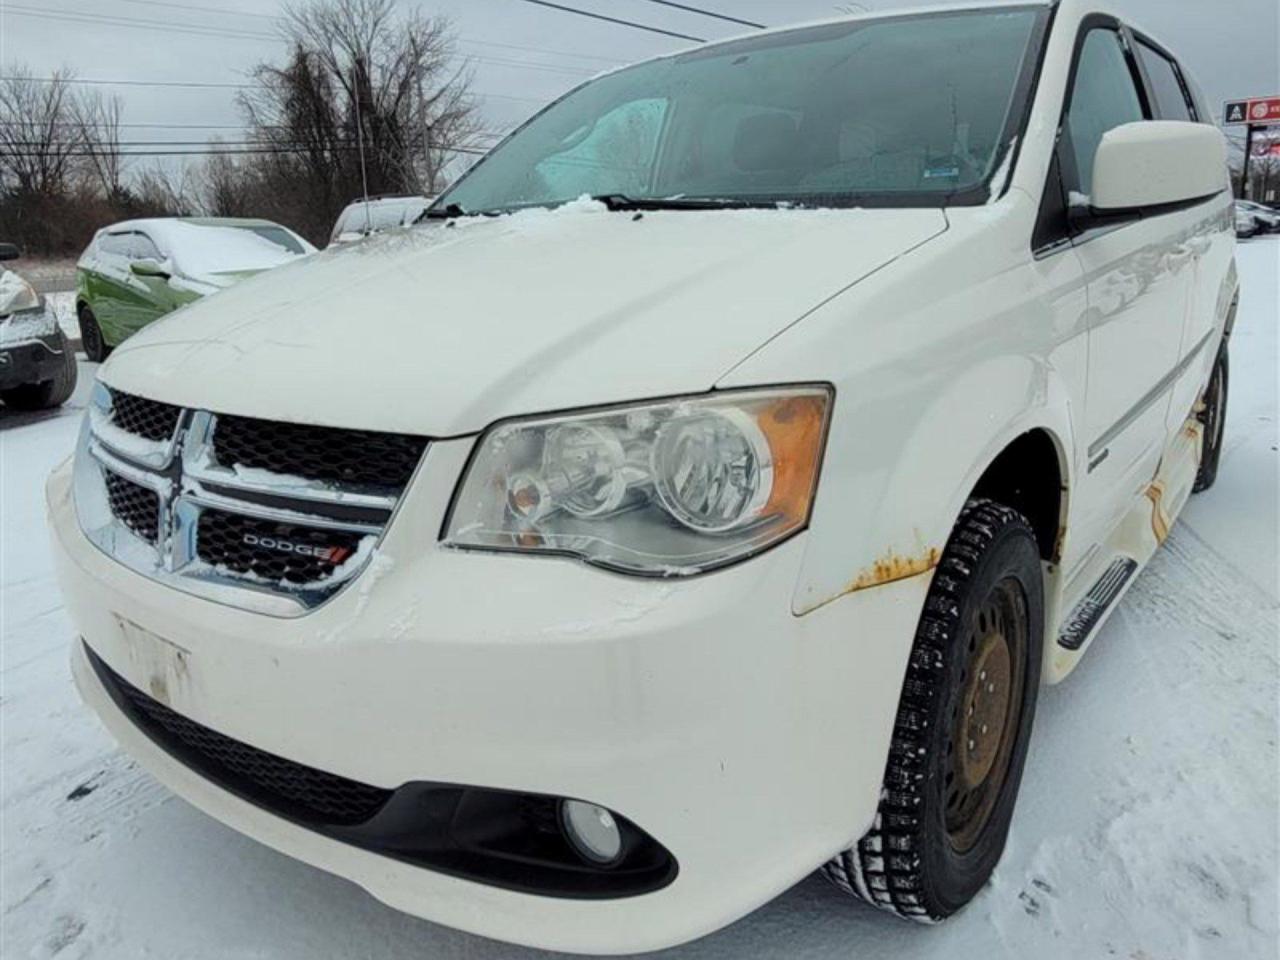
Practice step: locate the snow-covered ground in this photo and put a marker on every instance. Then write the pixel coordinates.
(1147, 828)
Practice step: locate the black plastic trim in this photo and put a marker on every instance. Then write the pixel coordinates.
(501, 838)
(32, 361)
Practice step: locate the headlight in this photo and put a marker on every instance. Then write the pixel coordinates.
(664, 489)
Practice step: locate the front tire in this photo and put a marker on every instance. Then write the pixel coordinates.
(964, 721)
(95, 345)
(1213, 416)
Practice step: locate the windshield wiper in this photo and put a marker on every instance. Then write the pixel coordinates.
(449, 211)
(620, 201)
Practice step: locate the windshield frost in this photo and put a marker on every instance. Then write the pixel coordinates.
(917, 106)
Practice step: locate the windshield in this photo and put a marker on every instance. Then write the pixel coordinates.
(910, 110)
(200, 249)
(277, 235)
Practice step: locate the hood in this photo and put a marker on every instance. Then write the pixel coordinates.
(204, 284)
(442, 329)
(221, 279)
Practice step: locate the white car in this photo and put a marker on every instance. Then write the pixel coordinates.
(585, 572)
(364, 218)
(1266, 219)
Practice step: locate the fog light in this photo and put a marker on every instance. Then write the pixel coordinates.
(593, 832)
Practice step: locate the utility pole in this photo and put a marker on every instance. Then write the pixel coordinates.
(364, 175)
(1248, 160)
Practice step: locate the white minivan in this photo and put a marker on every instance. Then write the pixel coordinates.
(721, 468)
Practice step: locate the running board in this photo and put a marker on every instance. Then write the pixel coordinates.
(1096, 602)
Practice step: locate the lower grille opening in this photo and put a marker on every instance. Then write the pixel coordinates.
(270, 550)
(134, 505)
(304, 791)
(502, 838)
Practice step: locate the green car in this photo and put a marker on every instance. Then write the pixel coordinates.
(135, 272)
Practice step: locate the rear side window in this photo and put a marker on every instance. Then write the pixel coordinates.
(1166, 84)
(119, 244)
(1104, 97)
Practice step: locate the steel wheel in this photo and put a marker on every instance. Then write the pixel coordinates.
(985, 719)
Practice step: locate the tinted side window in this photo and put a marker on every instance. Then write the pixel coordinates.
(1171, 102)
(1104, 98)
(116, 243)
(143, 248)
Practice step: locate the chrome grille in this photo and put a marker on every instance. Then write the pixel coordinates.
(134, 505)
(268, 516)
(359, 458)
(149, 419)
(249, 545)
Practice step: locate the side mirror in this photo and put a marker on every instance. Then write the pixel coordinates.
(1155, 163)
(9, 251)
(149, 267)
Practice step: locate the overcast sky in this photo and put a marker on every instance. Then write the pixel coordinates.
(523, 53)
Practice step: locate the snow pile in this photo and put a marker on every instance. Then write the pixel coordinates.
(63, 305)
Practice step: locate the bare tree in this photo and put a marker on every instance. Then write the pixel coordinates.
(165, 191)
(97, 121)
(40, 143)
(222, 186)
(370, 100)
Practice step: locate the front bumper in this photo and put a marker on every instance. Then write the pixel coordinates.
(747, 741)
(31, 361)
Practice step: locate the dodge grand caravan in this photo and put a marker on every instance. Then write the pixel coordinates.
(722, 466)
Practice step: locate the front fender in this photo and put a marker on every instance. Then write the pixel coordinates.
(940, 361)
(874, 525)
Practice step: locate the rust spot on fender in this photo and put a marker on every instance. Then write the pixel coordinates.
(1059, 544)
(889, 568)
(1159, 521)
(893, 566)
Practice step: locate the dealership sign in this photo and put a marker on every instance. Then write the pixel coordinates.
(1261, 111)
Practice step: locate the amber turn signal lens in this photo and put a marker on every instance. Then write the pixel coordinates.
(795, 428)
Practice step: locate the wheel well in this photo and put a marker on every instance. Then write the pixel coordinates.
(1028, 477)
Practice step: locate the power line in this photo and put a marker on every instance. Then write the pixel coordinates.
(700, 12)
(71, 16)
(135, 83)
(625, 23)
(192, 126)
(226, 86)
(554, 53)
(272, 18)
(201, 30)
(475, 151)
(191, 6)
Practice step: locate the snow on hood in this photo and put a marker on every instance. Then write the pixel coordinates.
(219, 255)
(442, 329)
